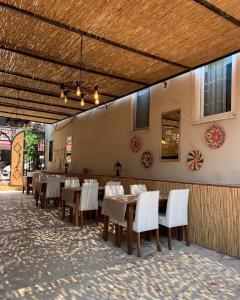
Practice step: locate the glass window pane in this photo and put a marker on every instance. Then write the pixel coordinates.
(217, 87)
(142, 105)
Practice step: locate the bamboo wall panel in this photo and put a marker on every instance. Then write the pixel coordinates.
(214, 211)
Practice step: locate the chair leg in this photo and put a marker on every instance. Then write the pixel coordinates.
(97, 217)
(169, 239)
(186, 235)
(70, 214)
(116, 234)
(158, 240)
(120, 229)
(81, 218)
(63, 210)
(138, 244)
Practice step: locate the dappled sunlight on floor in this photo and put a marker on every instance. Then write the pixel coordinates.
(42, 257)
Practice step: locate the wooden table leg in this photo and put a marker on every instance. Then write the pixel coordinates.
(76, 200)
(105, 228)
(129, 228)
(63, 209)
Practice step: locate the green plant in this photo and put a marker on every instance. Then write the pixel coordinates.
(31, 146)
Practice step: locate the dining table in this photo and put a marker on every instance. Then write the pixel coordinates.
(73, 195)
(123, 207)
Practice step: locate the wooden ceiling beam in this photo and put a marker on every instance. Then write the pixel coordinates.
(42, 103)
(91, 36)
(218, 11)
(44, 80)
(35, 109)
(37, 91)
(69, 65)
(26, 115)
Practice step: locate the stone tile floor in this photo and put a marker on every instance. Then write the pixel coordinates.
(42, 257)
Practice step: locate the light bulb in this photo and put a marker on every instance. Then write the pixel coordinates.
(96, 95)
(65, 99)
(82, 102)
(78, 91)
(62, 91)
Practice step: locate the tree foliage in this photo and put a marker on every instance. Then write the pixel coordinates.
(31, 145)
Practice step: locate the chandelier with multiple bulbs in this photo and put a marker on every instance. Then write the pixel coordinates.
(78, 87)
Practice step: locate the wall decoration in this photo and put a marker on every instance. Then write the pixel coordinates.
(195, 160)
(215, 136)
(135, 144)
(147, 159)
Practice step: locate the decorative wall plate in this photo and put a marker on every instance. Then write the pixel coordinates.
(147, 159)
(195, 160)
(135, 144)
(215, 136)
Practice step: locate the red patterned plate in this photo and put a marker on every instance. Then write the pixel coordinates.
(135, 144)
(215, 136)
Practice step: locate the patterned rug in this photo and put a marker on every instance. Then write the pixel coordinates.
(42, 257)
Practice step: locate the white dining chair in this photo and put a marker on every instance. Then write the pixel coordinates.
(72, 182)
(176, 213)
(136, 189)
(146, 217)
(113, 183)
(88, 200)
(110, 191)
(52, 192)
(90, 180)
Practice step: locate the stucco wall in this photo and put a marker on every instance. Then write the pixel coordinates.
(102, 136)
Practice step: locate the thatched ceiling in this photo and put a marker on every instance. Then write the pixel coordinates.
(127, 45)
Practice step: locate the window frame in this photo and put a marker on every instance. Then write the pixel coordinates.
(135, 97)
(198, 114)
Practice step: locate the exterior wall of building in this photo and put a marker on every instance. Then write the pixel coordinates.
(102, 136)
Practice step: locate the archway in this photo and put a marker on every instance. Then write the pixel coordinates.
(5, 157)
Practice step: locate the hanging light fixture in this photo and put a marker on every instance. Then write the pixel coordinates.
(96, 95)
(62, 91)
(82, 102)
(65, 98)
(78, 91)
(79, 88)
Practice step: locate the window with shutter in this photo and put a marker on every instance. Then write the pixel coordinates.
(141, 110)
(217, 87)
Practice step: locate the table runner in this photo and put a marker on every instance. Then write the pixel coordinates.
(115, 207)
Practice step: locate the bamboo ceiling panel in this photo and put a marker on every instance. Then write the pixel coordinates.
(156, 26)
(127, 45)
(231, 7)
(25, 117)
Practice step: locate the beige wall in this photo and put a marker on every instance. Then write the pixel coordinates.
(102, 136)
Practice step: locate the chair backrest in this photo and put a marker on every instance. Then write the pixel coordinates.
(62, 177)
(90, 180)
(113, 183)
(113, 190)
(53, 187)
(89, 197)
(72, 182)
(146, 217)
(136, 189)
(35, 180)
(177, 208)
(43, 178)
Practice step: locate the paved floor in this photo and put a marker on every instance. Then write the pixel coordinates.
(42, 257)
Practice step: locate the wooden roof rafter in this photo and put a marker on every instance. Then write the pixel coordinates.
(69, 65)
(90, 35)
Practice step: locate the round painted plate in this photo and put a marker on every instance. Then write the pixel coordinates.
(135, 144)
(215, 136)
(195, 160)
(147, 159)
